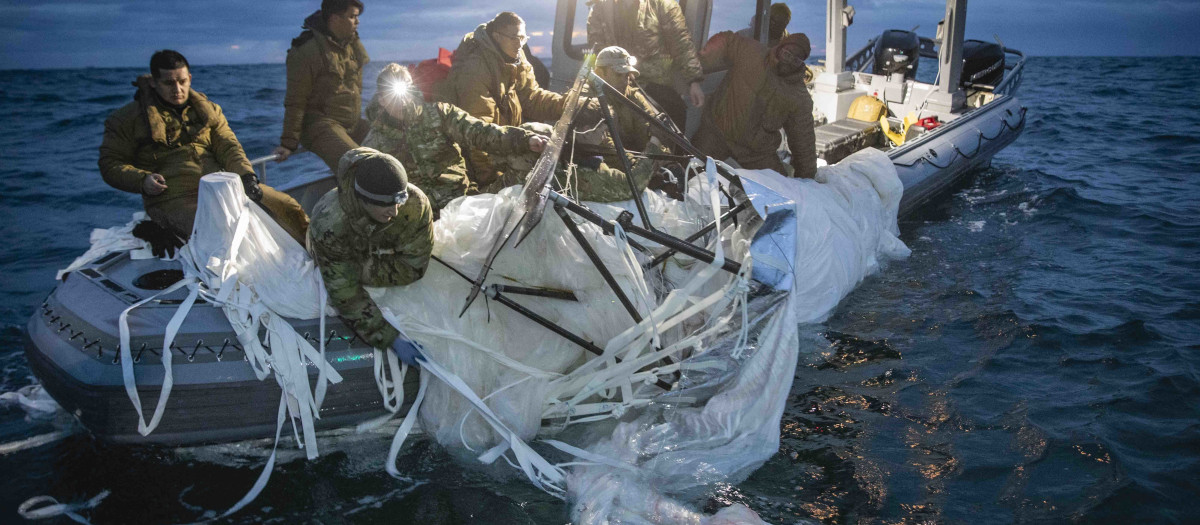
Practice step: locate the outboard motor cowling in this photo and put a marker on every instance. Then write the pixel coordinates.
(897, 51)
(983, 63)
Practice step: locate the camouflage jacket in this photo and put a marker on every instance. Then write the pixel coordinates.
(655, 32)
(353, 251)
(753, 103)
(428, 141)
(324, 80)
(147, 136)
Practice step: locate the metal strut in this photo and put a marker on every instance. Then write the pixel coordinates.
(592, 256)
(615, 133)
(494, 292)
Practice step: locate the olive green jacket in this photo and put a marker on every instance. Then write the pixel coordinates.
(353, 251)
(324, 80)
(753, 103)
(148, 136)
(428, 141)
(655, 32)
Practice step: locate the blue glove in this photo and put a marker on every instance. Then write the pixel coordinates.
(407, 351)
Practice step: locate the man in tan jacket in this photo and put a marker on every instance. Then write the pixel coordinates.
(160, 145)
(492, 80)
(323, 105)
(763, 91)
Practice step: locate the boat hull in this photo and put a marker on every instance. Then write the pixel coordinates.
(71, 346)
(939, 160)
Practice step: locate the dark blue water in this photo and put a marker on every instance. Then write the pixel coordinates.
(1037, 359)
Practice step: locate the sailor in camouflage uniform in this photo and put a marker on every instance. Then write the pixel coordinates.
(428, 138)
(374, 229)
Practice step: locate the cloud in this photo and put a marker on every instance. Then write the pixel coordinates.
(109, 33)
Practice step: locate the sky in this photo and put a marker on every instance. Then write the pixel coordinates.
(40, 34)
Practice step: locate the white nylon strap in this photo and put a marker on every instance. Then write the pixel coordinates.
(126, 358)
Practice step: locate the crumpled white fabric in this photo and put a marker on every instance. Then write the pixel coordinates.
(107, 240)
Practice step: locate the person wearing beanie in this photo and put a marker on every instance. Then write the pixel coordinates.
(374, 229)
(763, 91)
(429, 137)
(161, 143)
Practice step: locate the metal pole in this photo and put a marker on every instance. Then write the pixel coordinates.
(835, 36)
(703, 231)
(595, 258)
(611, 122)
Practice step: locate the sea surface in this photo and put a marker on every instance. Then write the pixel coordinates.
(1036, 359)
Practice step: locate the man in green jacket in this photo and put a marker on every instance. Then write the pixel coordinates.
(657, 33)
(160, 145)
(374, 229)
(323, 103)
(429, 138)
(762, 92)
(492, 80)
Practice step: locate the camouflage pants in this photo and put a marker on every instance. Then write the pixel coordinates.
(330, 140)
(179, 215)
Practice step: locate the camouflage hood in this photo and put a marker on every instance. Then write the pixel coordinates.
(148, 102)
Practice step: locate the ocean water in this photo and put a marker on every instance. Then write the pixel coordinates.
(1036, 359)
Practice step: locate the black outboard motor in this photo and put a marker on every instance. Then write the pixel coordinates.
(897, 51)
(983, 63)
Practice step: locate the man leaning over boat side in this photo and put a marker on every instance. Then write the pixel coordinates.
(373, 229)
(655, 31)
(429, 138)
(323, 104)
(763, 91)
(160, 145)
(492, 80)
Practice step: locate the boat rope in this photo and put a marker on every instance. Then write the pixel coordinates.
(980, 138)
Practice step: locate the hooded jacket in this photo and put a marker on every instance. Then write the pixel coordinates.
(428, 141)
(149, 136)
(496, 89)
(324, 80)
(654, 31)
(754, 102)
(353, 251)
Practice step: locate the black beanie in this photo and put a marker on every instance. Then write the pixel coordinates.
(381, 180)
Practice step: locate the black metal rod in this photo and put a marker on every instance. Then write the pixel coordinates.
(702, 232)
(567, 334)
(591, 254)
(679, 245)
(666, 240)
(565, 295)
(611, 121)
(672, 134)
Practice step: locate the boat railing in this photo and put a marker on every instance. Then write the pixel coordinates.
(261, 162)
(1012, 77)
(860, 59)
